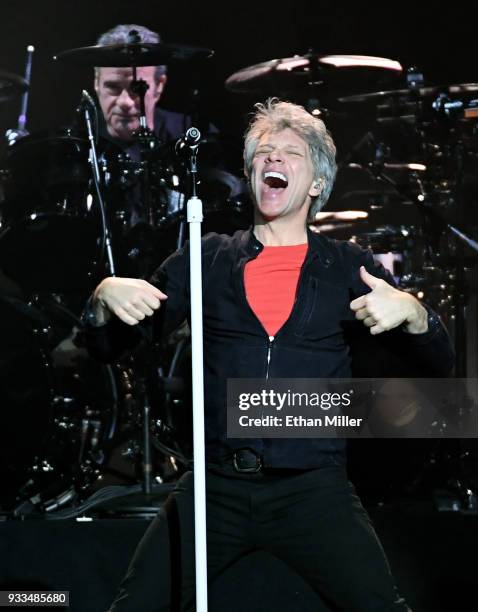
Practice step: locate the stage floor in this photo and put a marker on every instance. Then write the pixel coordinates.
(432, 554)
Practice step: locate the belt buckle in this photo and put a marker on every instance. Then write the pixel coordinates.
(246, 470)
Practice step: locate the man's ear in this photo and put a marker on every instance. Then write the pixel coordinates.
(96, 83)
(158, 92)
(316, 187)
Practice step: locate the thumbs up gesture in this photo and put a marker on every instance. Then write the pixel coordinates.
(386, 307)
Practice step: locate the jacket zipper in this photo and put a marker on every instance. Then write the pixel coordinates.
(272, 338)
(269, 350)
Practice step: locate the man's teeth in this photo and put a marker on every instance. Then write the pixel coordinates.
(275, 179)
(278, 175)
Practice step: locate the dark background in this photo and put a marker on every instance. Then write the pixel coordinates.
(437, 39)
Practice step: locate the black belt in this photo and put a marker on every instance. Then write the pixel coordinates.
(248, 461)
(239, 461)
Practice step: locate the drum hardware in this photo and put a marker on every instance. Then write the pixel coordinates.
(441, 111)
(144, 136)
(443, 125)
(142, 239)
(171, 431)
(61, 411)
(144, 361)
(337, 221)
(137, 54)
(49, 216)
(443, 119)
(311, 72)
(13, 135)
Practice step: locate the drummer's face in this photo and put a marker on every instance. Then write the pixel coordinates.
(120, 106)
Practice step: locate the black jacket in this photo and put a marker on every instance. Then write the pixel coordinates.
(315, 342)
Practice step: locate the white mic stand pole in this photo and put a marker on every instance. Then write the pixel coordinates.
(194, 218)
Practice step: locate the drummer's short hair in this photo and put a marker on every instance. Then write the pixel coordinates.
(275, 116)
(119, 36)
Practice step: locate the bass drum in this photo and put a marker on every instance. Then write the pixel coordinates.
(59, 409)
(50, 226)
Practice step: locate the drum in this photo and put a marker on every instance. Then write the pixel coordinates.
(397, 248)
(51, 231)
(58, 408)
(146, 202)
(143, 202)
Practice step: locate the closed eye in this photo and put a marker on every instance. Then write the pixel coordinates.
(113, 89)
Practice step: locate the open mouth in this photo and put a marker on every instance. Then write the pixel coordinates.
(275, 180)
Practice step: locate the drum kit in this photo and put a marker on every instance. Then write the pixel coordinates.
(69, 217)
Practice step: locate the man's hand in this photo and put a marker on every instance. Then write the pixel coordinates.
(130, 299)
(386, 307)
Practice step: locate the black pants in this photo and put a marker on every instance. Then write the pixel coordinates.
(313, 521)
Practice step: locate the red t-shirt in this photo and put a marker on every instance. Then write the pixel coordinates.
(271, 284)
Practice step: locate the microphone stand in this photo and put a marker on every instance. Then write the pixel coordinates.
(142, 364)
(87, 103)
(194, 219)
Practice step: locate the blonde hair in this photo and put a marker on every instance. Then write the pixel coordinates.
(275, 116)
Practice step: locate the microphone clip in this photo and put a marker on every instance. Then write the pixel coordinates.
(188, 144)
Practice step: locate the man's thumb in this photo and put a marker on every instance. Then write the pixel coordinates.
(370, 280)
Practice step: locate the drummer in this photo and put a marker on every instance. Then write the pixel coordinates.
(121, 114)
(121, 107)
(120, 122)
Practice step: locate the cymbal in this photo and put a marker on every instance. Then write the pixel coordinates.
(339, 215)
(137, 54)
(332, 221)
(307, 70)
(327, 228)
(11, 85)
(420, 92)
(394, 167)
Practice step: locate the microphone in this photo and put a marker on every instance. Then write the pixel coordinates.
(87, 99)
(87, 104)
(188, 142)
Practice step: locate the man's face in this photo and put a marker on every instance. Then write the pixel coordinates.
(282, 178)
(119, 105)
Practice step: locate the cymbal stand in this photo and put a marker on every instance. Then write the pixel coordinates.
(144, 135)
(15, 134)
